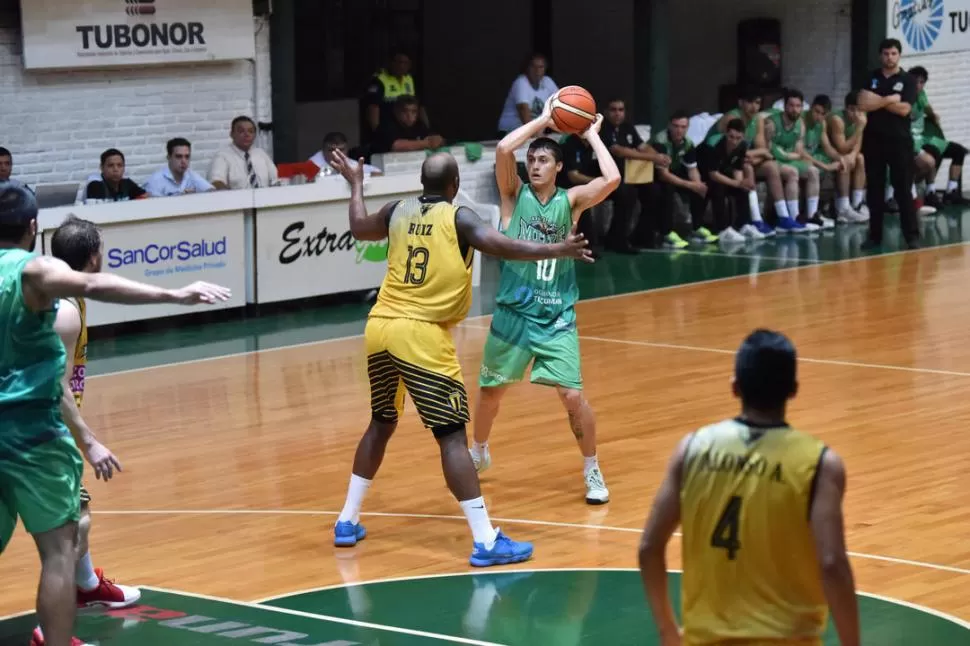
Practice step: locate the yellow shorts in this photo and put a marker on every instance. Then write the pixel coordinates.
(421, 357)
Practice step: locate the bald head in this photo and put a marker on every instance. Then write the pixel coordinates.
(439, 174)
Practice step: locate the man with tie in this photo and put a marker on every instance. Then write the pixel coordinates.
(240, 165)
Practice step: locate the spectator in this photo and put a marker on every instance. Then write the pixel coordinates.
(6, 169)
(785, 131)
(177, 178)
(240, 165)
(579, 166)
(405, 133)
(681, 177)
(848, 168)
(624, 143)
(324, 157)
(728, 184)
(527, 96)
(386, 86)
(113, 186)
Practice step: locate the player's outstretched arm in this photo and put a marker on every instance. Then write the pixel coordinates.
(828, 529)
(589, 195)
(362, 225)
(473, 231)
(68, 327)
(46, 278)
(661, 524)
(506, 172)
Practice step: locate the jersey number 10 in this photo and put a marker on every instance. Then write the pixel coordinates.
(546, 269)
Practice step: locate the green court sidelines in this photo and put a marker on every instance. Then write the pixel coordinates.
(512, 607)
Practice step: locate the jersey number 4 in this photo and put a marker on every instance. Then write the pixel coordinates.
(728, 528)
(417, 265)
(546, 269)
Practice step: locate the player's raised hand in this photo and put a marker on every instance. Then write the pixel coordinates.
(202, 292)
(353, 173)
(594, 128)
(546, 114)
(577, 246)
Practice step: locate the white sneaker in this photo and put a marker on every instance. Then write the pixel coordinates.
(482, 461)
(827, 223)
(751, 231)
(596, 491)
(926, 210)
(863, 209)
(811, 227)
(851, 216)
(730, 235)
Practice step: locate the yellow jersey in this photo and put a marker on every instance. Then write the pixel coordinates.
(429, 275)
(750, 569)
(80, 353)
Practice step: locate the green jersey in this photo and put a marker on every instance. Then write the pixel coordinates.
(785, 137)
(750, 131)
(918, 115)
(32, 357)
(539, 290)
(813, 135)
(848, 127)
(681, 156)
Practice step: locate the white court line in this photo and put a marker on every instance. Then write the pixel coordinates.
(514, 571)
(695, 348)
(711, 281)
(330, 618)
(514, 521)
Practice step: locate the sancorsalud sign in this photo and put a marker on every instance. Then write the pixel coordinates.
(61, 34)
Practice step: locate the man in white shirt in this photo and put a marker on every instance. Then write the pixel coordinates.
(338, 141)
(240, 165)
(177, 178)
(527, 96)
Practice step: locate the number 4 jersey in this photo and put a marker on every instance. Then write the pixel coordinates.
(539, 291)
(750, 567)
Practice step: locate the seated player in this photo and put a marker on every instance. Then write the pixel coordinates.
(841, 140)
(728, 186)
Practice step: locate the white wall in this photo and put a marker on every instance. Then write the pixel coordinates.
(57, 124)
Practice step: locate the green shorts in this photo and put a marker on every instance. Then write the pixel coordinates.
(40, 483)
(799, 165)
(515, 341)
(822, 157)
(919, 143)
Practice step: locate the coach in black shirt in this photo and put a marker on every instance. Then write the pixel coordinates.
(887, 141)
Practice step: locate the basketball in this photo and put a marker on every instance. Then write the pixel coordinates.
(573, 110)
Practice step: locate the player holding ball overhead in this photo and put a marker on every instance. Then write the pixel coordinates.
(534, 321)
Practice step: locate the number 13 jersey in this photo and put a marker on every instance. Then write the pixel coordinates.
(539, 291)
(750, 568)
(429, 274)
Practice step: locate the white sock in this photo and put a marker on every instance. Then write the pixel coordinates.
(841, 204)
(913, 190)
(952, 185)
(930, 188)
(781, 209)
(481, 526)
(85, 575)
(355, 497)
(754, 206)
(479, 449)
(857, 197)
(478, 608)
(793, 209)
(590, 464)
(811, 203)
(890, 193)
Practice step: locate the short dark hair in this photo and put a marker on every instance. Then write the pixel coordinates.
(18, 207)
(680, 114)
(736, 125)
(889, 43)
(405, 100)
(175, 143)
(823, 100)
(792, 93)
(852, 99)
(546, 143)
(765, 370)
(4, 152)
(241, 119)
(749, 93)
(919, 72)
(75, 241)
(111, 152)
(334, 139)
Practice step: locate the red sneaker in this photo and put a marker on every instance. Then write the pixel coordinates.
(38, 639)
(107, 594)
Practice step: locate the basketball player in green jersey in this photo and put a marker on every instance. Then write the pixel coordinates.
(844, 129)
(786, 132)
(759, 163)
(40, 465)
(534, 319)
(759, 504)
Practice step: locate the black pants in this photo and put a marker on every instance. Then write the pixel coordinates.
(723, 198)
(881, 151)
(667, 206)
(623, 232)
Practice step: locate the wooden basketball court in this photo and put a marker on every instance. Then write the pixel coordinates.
(236, 467)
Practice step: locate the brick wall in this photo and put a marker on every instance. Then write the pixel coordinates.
(56, 124)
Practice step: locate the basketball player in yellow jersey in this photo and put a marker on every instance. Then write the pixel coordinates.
(761, 508)
(426, 291)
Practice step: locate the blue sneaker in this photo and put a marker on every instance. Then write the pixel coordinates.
(789, 225)
(346, 533)
(764, 228)
(504, 551)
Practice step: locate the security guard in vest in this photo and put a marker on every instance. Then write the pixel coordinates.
(386, 86)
